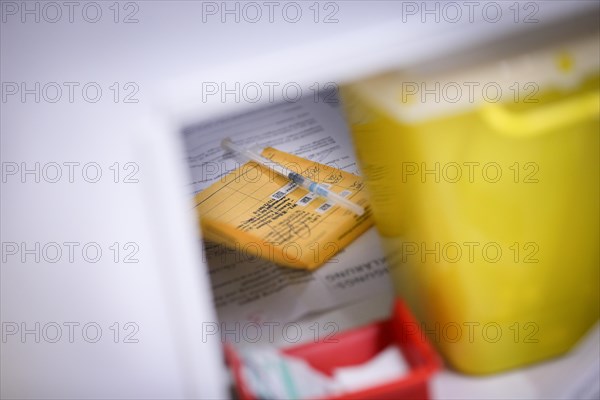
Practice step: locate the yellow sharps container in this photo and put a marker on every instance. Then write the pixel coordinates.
(485, 188)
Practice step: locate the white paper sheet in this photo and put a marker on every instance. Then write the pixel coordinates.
(311, 129)
(248, 289)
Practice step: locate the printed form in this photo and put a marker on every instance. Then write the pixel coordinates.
(256, 210)
(249, 289)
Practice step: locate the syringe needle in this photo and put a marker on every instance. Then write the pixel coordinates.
(295, 177)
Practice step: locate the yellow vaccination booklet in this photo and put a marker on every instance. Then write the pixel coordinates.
(260, 213)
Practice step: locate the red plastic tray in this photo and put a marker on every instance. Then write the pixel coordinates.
(359, 345)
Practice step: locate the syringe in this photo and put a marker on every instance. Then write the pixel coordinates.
(298, 179)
